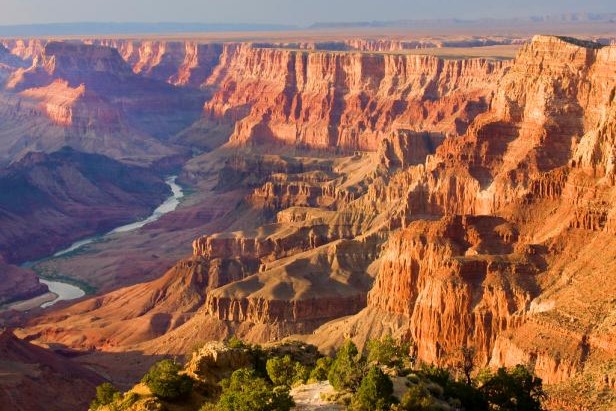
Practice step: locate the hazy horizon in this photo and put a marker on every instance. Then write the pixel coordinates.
(280, 12)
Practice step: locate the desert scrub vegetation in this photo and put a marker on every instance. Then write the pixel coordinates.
(382, 377)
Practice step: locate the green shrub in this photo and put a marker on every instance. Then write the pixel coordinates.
(236, 343)
(513, 390)
(374, 393)
(416, 398)
(166, 382)
(347, 369)
(106, 394)
(387, 351)
(285, 371)
(439, 375)
(468, 395)
(319, 372)
(246, 391)
(302, 373)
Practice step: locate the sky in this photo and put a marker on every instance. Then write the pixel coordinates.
(294, 12)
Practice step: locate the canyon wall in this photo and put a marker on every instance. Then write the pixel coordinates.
(346, 101)
(540, 160)
(87, 97)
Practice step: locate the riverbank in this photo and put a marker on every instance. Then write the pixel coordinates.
(63, 290)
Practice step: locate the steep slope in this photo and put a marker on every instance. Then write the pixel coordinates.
(8, 63)
(33, 378)
(134, 314)
(60, 197)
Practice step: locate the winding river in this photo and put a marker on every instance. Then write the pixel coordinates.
(65, 291)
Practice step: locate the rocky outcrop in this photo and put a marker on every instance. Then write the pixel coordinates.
(25, 49)
(8, 63)
(458, 281)
(345, 100)
(216, 361)
(300, 292)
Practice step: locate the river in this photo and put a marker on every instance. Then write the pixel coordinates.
(65, 291)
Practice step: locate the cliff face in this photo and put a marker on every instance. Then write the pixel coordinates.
(25, 49)
(181, 63)
(90, 99)
(541, 160)
(458, 281)
(8, 63)
(345, 100)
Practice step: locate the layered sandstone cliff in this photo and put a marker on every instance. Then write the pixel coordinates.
(540, 162)
(181, 63)
(346, 100)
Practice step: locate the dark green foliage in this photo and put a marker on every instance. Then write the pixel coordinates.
(436, 374)
(387, 351)
(235, 342)
(106, 393)
(469, 396)
(321, 369)
(285, 371)
(374, 393)
(513, 390)
(302, 373)
(246, 391)
(165, 381)
(347, 369)
(416, 398)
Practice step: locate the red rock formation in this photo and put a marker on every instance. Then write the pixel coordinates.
(94, 102)
(25, 49)
(457, 281)
(540, 159)
(344, 100)
(182, 63)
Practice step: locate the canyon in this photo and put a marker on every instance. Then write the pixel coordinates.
(336, 189)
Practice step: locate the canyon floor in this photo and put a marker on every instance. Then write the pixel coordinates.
(453, 191)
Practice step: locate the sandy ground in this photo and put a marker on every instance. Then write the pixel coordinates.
(308, 397)
(33, 302)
